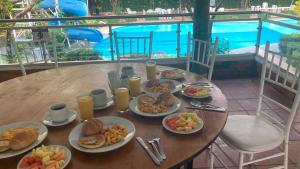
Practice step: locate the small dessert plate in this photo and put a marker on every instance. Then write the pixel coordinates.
(109, 102)
(48, 122)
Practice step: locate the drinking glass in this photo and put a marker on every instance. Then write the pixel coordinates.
(151, 70)
(122, 99)
(85, 104)
(134, 86)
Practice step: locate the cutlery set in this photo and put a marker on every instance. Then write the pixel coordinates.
(196, 104)
(158, 156)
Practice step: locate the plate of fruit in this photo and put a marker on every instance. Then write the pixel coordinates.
(46, 157)
(183, 123)
(196, 92)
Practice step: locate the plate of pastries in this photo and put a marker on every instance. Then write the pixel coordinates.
(101, 134)
(17, 138)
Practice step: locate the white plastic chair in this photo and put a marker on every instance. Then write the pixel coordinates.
(130, 12)
(139, 47)
(205, 56)
(249, 134)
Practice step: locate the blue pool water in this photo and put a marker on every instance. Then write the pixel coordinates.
(232, 35)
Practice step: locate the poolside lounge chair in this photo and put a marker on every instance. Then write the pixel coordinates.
(274, 8)
(130, 12)
(253, 135)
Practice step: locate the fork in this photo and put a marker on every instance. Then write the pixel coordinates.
(158, 155)
(162, 153)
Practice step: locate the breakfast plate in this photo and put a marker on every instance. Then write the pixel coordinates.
(42, 134)
(161, 86)
(173, 74)
(196, 92)
(180, 123)
(72, 114)
(106, 120)
(109, 102)
(67, 155)
(134, 106)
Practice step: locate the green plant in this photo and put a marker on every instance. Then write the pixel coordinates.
(297, 7)
(80, 55)
(290, 45)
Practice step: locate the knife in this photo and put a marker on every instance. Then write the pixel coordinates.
(219, 109)
(143, 144)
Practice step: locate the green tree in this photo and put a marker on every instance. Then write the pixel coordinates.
(297, 7)
(6, 8)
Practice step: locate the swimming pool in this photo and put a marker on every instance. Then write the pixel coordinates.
(232, 35)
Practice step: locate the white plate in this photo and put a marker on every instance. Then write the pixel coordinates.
(174, 78)
(42, 130)
(196, 97)
(48, 122)
(106, 120)
(178, 85)
(109, 102)
(133, 105)
(68, 155)
(198, 128)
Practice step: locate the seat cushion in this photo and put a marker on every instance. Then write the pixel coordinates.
(251, 133)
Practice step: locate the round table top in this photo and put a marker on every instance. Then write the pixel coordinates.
(28, 98)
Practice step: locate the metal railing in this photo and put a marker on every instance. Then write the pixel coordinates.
(266, 18)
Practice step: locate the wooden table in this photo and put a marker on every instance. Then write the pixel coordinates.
(28, 98)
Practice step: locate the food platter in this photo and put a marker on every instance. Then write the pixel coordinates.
(203, 91)
(106, 120)
(42, 134)
(134, 106)
(174, 86)
(174, 74)
(67, 155)
(197, 127)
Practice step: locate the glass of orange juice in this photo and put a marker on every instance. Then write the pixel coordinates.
(134, 86)
(122, 99)
(151, 70)
(85, 104)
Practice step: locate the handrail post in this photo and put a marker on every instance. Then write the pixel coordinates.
(54, 50)
(258, 36)
(178, 40)
(188, 52)
(111, 43)
(150, 45)
(15, 52)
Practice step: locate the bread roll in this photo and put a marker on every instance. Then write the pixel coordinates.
(22, 140)
(91, 142)
(4, 145)
(91, 127)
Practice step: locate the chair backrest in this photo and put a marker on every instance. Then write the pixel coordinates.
(283, 71)
(203, 54)
(37, 51)
(138, 47)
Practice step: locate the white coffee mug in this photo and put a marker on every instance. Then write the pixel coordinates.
(58, 112)
(99, 97)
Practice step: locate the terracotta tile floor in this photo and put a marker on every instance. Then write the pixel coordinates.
(242, 95)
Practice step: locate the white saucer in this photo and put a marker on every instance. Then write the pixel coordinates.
(47, 121)
(109, 102)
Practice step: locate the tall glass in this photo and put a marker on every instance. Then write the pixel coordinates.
(134, 86)
(86, 107)
(151, 70)
(122, 99)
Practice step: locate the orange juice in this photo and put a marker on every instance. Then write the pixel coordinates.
(134, 86)
(151, 70)
(85, 104)
(122, 99)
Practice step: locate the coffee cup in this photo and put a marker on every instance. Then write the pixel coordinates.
(58, 112)
(99, 97)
